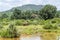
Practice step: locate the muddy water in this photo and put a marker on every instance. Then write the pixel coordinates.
(49, 36)
(9, 38)
(42, 36)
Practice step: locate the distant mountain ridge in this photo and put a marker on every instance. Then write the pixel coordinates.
(25, 7)
(30, 7)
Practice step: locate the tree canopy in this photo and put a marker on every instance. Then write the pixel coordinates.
(48, 12)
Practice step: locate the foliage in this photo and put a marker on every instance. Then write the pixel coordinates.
(50, 26)
(26, 15)
(11, 32)
(57, 15)
(16, 14)
(4, 16)
(19, 22)
(48, 12)
(1, 26)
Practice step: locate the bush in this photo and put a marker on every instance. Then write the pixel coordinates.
(1, 26)
(4, 23)
(50, 26)
(55, 27)
(19, 22)
(29, 22)
(41, 22)
(11, 32)
(53, 21)
(34, 22)
(47, 27)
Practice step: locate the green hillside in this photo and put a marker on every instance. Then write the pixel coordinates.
(23, 8)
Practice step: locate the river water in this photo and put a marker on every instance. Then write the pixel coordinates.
(30, 37)
(43, 36)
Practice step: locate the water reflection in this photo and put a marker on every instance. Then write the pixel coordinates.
(31, 38)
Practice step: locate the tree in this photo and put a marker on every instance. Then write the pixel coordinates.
(34, 15)
(16, 14)
(57, 14)
(48, 12)
(26, 15)
(4, 16)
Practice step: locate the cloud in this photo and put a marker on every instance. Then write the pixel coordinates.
(8, 4)
(8, 0)
(44, 2)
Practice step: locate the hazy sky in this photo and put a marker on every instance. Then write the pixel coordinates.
(8, 4)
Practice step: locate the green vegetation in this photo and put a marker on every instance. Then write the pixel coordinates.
(29, 22)
(48, 12)
(10, 32)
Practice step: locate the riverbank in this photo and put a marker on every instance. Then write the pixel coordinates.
(38, 36)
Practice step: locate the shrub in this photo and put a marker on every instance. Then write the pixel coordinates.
(1, 26)
(19, 22)
(55, 27)
(41, 22)
(11, 32)
(53, 21)
(34, 22)
(47, 27)
(4, 23)
(50, 26)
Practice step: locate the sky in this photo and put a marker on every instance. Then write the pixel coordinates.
(8, 4)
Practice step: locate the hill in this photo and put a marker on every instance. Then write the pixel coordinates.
(24, 8)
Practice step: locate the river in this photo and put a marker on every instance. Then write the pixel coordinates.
(42, 36)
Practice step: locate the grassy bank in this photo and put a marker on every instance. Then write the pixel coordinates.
(14, 28)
